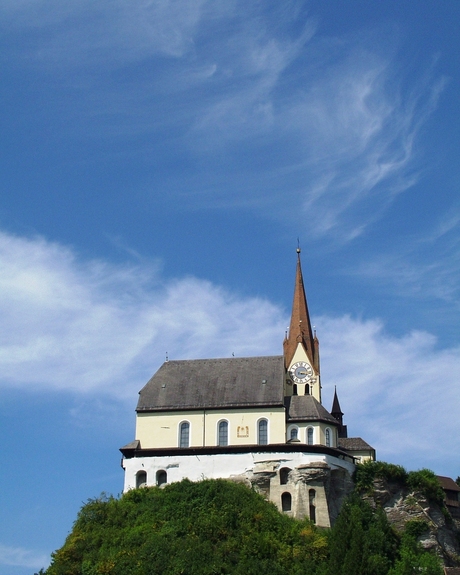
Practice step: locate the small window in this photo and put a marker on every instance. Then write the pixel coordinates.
(328, 437)
(141, 479)
(184, 434)
(162, 477)
(294, 433)
(307, 389)
(312, 497)
(294, 389)
(223, 433)
(286, 502)
(284, 475)
(310, 436)
(262, 435)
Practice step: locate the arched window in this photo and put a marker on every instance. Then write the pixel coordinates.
(184, 434)
(162, 477)
(284, 475)
(328, 437)
(294, 433)
(307, 389)
(141, 479)
(262, 432)
(310, 436)
(286, 502)
(222, 440)
(311, 497)
(294, 389)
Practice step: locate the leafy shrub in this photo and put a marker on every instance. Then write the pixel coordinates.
(368, 471)
(416, 527)
(423, 481)
(195, 528)
(427, 483)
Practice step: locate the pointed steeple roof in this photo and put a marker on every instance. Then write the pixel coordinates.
(300, 327)
(336, 411)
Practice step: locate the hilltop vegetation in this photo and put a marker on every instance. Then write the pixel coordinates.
(219, 527)
(423, 480)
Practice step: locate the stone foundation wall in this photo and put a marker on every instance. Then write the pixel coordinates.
(299, 484)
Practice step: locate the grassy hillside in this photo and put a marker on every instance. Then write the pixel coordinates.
(219, 527)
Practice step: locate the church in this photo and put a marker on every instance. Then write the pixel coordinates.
(258, 420)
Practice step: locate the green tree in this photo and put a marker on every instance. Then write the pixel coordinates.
(414, 560)
(362, 541)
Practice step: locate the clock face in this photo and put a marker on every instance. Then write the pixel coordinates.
(301, 372)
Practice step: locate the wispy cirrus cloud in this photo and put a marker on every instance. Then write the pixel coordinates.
(425, 266)
(20, 557)
(359, 129)
(258, 116)
(83, 34)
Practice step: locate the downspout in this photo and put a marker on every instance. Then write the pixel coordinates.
(204, 427)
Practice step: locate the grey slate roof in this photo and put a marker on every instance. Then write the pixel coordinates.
(353, 444)
(307, 408)
(214, 383)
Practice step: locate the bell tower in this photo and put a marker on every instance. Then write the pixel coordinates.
(301, 346)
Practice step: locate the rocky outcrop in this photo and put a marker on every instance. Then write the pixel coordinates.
(442, 532)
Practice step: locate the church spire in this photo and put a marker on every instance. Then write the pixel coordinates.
(300, 327)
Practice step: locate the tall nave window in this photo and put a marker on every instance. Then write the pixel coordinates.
(184, 434)
(223, 433)
(262, 432)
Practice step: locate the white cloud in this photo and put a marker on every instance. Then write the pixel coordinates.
(426, 266)
(400, 394)
(91, 327)
(20, 557)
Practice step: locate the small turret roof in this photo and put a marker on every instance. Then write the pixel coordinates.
(336, 405)
(307, 408)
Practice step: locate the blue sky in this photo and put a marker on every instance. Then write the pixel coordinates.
(159, 160)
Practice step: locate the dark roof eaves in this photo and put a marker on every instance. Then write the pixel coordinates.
(252, 448)
(209, 407)
(332, 421)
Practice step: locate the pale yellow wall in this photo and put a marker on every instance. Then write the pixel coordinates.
(319, 432)
(315, 385)
(157, 430)
(362, 456)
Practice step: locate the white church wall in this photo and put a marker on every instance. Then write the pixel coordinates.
(221, 465)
